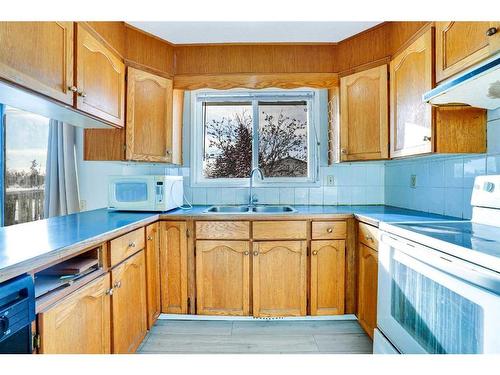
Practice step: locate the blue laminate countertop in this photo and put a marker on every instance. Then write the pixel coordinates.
(24, 247)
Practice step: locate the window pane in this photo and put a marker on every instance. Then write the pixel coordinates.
(283, 138)
(227, 140)
(26, 139)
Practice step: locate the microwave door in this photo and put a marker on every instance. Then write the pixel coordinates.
(424, 309)
(133, 194)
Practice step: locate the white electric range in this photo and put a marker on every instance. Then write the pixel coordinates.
(439, 282)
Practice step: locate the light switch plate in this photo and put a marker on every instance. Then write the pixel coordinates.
(413, 181)
(330, 180)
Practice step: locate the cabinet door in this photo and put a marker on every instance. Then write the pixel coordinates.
(367, 288)
(129, 305)
(364, 106)
(100, 78)
(153, 272)
(79, 323)
(173, 266)
(460, 45)
(222, 277)
(149, 117)
(327, 277)
(411, 118)
(279, 278)
(39, 56)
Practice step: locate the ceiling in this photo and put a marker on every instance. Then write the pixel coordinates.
(253, 32)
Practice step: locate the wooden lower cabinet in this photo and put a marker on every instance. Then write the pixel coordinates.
(173, 265)
(222, 277)
(279, 278)
(327, 277)
(367, 288)
(79, 323)
(153, 272)
(129, 307)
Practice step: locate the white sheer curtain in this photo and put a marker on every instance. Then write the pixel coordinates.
(61, 181)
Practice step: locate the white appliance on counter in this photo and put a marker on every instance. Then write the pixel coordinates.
(439, 282)
(145, 193)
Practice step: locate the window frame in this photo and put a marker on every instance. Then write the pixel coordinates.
(254, 96)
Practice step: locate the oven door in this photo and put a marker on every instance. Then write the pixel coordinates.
(430, 302)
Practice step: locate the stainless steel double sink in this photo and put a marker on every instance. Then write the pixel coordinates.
(245, 209)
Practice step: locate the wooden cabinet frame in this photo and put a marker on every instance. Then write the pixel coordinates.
(361, 119)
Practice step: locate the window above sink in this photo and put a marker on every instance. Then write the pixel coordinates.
(234, 131)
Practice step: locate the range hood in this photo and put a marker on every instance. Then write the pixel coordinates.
(478, 87)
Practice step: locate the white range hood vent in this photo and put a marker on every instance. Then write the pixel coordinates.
(478, 87)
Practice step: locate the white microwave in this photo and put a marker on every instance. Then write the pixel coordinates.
(145, 193)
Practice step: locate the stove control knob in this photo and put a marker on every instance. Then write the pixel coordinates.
(489, 187)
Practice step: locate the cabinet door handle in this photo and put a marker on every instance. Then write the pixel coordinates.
(117, 285)
(150, 238)
(491, 31)
(315, 252)
(255, 253)
(369, 238)
(344, 151)
(329, 230)
(72, 88)
(82, 94)
(109, 292)
(131, 244)
(167, 152)
(427, 138)
(246, 253)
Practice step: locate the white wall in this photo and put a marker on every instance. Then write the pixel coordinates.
(444, 183)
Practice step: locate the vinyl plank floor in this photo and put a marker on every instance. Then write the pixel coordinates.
(197, 336)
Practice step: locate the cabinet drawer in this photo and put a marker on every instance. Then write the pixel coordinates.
(326, 230)
(126, 245)
(223, 230)
(368, 235)
(279, 230)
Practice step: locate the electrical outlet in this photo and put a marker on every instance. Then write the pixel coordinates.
(330, 180)
(83, 205)
(413, 181)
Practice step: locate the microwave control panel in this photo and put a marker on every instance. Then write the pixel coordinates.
(159, 191)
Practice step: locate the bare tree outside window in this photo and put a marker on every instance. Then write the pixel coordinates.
(282, 139)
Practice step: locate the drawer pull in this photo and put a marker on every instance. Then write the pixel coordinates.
(315, 252)
(329, 230)
(491, 31)
(131, 244)
(150, 238)
(369, 238)
(255, 253)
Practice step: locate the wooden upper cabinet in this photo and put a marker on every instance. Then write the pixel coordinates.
(39, 56)
(462, 44)
(222, 277)
(129, 305)
(153, 272)
(79, 323)
(411, 73)
(367, 288)
(100, 78)
(327, 277)
(364, 118)
(173, 266)
(149, 117)
(279, 278)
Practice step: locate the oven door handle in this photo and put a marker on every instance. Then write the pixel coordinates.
(453, 266)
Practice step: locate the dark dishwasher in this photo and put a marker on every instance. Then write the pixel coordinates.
(17, 312)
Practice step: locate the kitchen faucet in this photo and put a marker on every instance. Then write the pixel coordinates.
(250, 192)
